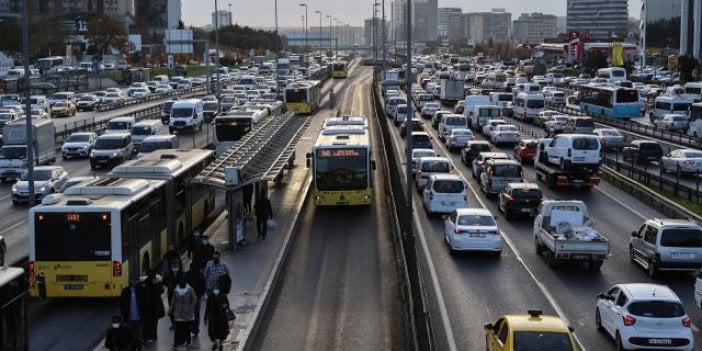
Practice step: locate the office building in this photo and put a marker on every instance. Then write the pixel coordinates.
(224, 18)
(487, 27)
(368, 31)
(159, 15)
(450, 24)
(603, 20)
(531, 28)
(424, 19)
(119, 8)
(660, 24)
(691, 28)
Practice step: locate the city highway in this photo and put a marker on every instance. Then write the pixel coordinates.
(468, 290)
(339, 290)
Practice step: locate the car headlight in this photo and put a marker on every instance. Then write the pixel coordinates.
(84, 147)
(14, 188)
(41, 190)
(114, 154)
(92, 153)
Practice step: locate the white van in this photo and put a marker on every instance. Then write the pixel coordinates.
(449, 122)
(693, 90)
(669, 104)
(119, 125)
(528, 105)
(444, 193)
(145, 128)
(574, 150)
(500, 99)
(612, 74)
(430, 165)
(472, 101)
(481, 115)
(186, 114)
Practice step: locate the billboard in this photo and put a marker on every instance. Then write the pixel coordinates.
(178, 41)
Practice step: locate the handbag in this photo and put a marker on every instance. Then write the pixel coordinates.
(271, 224)
(230, 315)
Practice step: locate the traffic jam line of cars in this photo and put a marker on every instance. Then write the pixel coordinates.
(641, 315)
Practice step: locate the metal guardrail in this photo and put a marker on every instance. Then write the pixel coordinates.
(633, 127)
(151, 97)
(418, 309)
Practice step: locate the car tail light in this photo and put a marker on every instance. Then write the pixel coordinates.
(30, 268)
(458, 231)
(628, 320)
(116, 269)
(686, 322)
(510, 199)
(688, 162)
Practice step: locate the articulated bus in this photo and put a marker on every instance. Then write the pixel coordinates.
(234, 125)
(339, 69)
(303, 96)
(615, 103)
(342, 166)
(90, 240)
(13, 309)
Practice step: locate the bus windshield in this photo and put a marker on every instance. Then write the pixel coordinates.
(535, 104)
(296, 95)
(72, 237)
(232, 129)
(625, 96)
(341, 169)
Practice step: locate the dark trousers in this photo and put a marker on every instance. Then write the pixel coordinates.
(262, 227)
(150, 329)
(196, 321)
(182, 332)
(137, 333)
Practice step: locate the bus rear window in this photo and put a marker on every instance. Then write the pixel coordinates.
(624, 96)
(72, 236)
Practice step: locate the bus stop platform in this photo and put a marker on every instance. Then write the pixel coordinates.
(255, 265)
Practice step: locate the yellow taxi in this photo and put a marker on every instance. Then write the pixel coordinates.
(63, 109)
(530, 332)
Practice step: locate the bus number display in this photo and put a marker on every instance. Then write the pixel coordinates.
(335, 153)
(73, 217)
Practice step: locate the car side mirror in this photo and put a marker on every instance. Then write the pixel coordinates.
(571, 329)
(444, 216)
(635, 234)
(488, 326)
(602, 296)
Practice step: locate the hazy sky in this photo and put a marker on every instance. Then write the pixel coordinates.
(260, 12)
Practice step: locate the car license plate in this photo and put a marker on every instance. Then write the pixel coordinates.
(477, 235)
(660, 341)
(526, 210)
(73, 287)
(448, 203)
(580, 257)
(683, 255)
(342, 203)
(102, 161)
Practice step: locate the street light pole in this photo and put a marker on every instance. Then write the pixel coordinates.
(410, 114)
(330, 33)
(384, 36)
(374, 36)
(319, 37)
(28, 104)
(304, 52)
(277, 51)
(219, 107)
(337, 37)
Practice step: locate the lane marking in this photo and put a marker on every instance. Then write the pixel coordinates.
(621, 203)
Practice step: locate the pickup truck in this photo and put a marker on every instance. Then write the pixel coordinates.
(562, 232)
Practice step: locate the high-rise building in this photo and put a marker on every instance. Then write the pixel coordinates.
(691, 28)
(602, 19)
(368, 31)
(424, 19)
(158, 15)
(118, 8)
(487, 27)
(450, 24)
(534, 28)
(224, 18)
(660, 24)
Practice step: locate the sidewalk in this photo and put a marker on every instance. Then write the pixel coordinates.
(254, 265)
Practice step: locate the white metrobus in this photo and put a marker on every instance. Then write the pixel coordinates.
(613, 74)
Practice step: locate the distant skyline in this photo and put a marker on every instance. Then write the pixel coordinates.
(259, 13)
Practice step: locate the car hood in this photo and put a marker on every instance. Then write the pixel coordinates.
(105, 152)
(76, 144)
(23, 185)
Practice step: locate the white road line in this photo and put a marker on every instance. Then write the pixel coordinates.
(445, 320)
(511, 245)
(621, 203)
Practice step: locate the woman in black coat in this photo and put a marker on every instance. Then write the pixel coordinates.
(216, 317)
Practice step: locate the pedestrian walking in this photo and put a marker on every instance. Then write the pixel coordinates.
(168, 258)
(216, 317)
(196, 279)
(264, 211)
(214, 270)
(118, 336)
(201, 252)
(182, 311)
(248, 195)
(134, 307)
(154, 291)
(171, 278)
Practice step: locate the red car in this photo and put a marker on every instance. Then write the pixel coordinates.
(525, 151)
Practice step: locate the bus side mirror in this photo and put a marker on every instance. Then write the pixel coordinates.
(373, 165)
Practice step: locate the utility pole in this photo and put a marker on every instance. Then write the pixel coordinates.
(384, 36)
(410, 114)
(319, 36)
(374, 36)
(337, 37)
(28, 104)
(277, 51)
(330, 33)
(219, 107)
(305, 51)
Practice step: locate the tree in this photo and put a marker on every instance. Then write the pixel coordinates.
(105, 32)
(596, 60)
(687, 64)
(12, 33)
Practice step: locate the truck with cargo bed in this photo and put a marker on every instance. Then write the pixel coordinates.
(13, 153)
(555, 177)
(452, 90)
(563, 232)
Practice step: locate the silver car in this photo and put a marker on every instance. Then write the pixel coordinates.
(458, 138)
(687, 161)
(78, 145)
(47, 180)
(667, 245)
(610, 138)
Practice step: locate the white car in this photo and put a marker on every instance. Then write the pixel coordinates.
(163, 88)
(555, 97)
(610, 138)
(490, 126)
(78, 145)
(472, 229)
(555, 124)
(141, 93)
(644, 316)
(429, 109)
(544, 116)
(505, 134)
(47, 180)
(136, 86)
(444, 193)
(458, 138)
(419, 153)
(112, 97)
(672, 121)
(687, 161)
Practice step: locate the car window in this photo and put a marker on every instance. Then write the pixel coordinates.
(681, 237)
(448, 186)
(650, 235)
(621, 300)
(502, 335)
(476, 220)
(613, 291)
(436, 166)
(657, 309)
(540, 341)
(498, 324)
(585, 144)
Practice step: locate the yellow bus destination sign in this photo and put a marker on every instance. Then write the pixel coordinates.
(335, 153)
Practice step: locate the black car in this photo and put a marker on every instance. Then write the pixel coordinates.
(519, 199)
(642, 151)
(87, 102)
(417, 126)
(472, 149)
(209, 110)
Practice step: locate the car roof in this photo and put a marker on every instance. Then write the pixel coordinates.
(524, 185)
(446, 176)
(492, 153)
(433, 159)
(83, 133)
(473, 211)
(122, 119)
(114, 136)
(420, 133)
(45, 168)
(649, 291)
(525, 322)
(423, 150)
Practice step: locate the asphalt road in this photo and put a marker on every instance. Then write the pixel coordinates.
(468, 290)
(339, 290)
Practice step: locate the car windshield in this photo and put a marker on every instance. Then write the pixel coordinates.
(461, 132)
(681, 237)
(436, 166)
(611, 132)
(182, 112)
(141, 130)
(542, 341)
(449, 186)
(512, 171)
(60, 97)
(418, 154)
(209, 106)
(693, 154)
(527, 193)
(118, 125)
(112, 95)
(455, 121)
(535, 104)
(13, 153)
(77, 138)
(5, 116)
(86, 98)
(657, 309)
(108, 144)
(477, 220)
(40, 175)
(584, 122)
(585, 144)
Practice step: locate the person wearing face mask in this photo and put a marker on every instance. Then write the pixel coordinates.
(133, 305)
(182, 312)
(216, 317)
(119, 337)
(168, 258)
(200, 253)
(196, 279)
(214, 271)
(154, 289)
